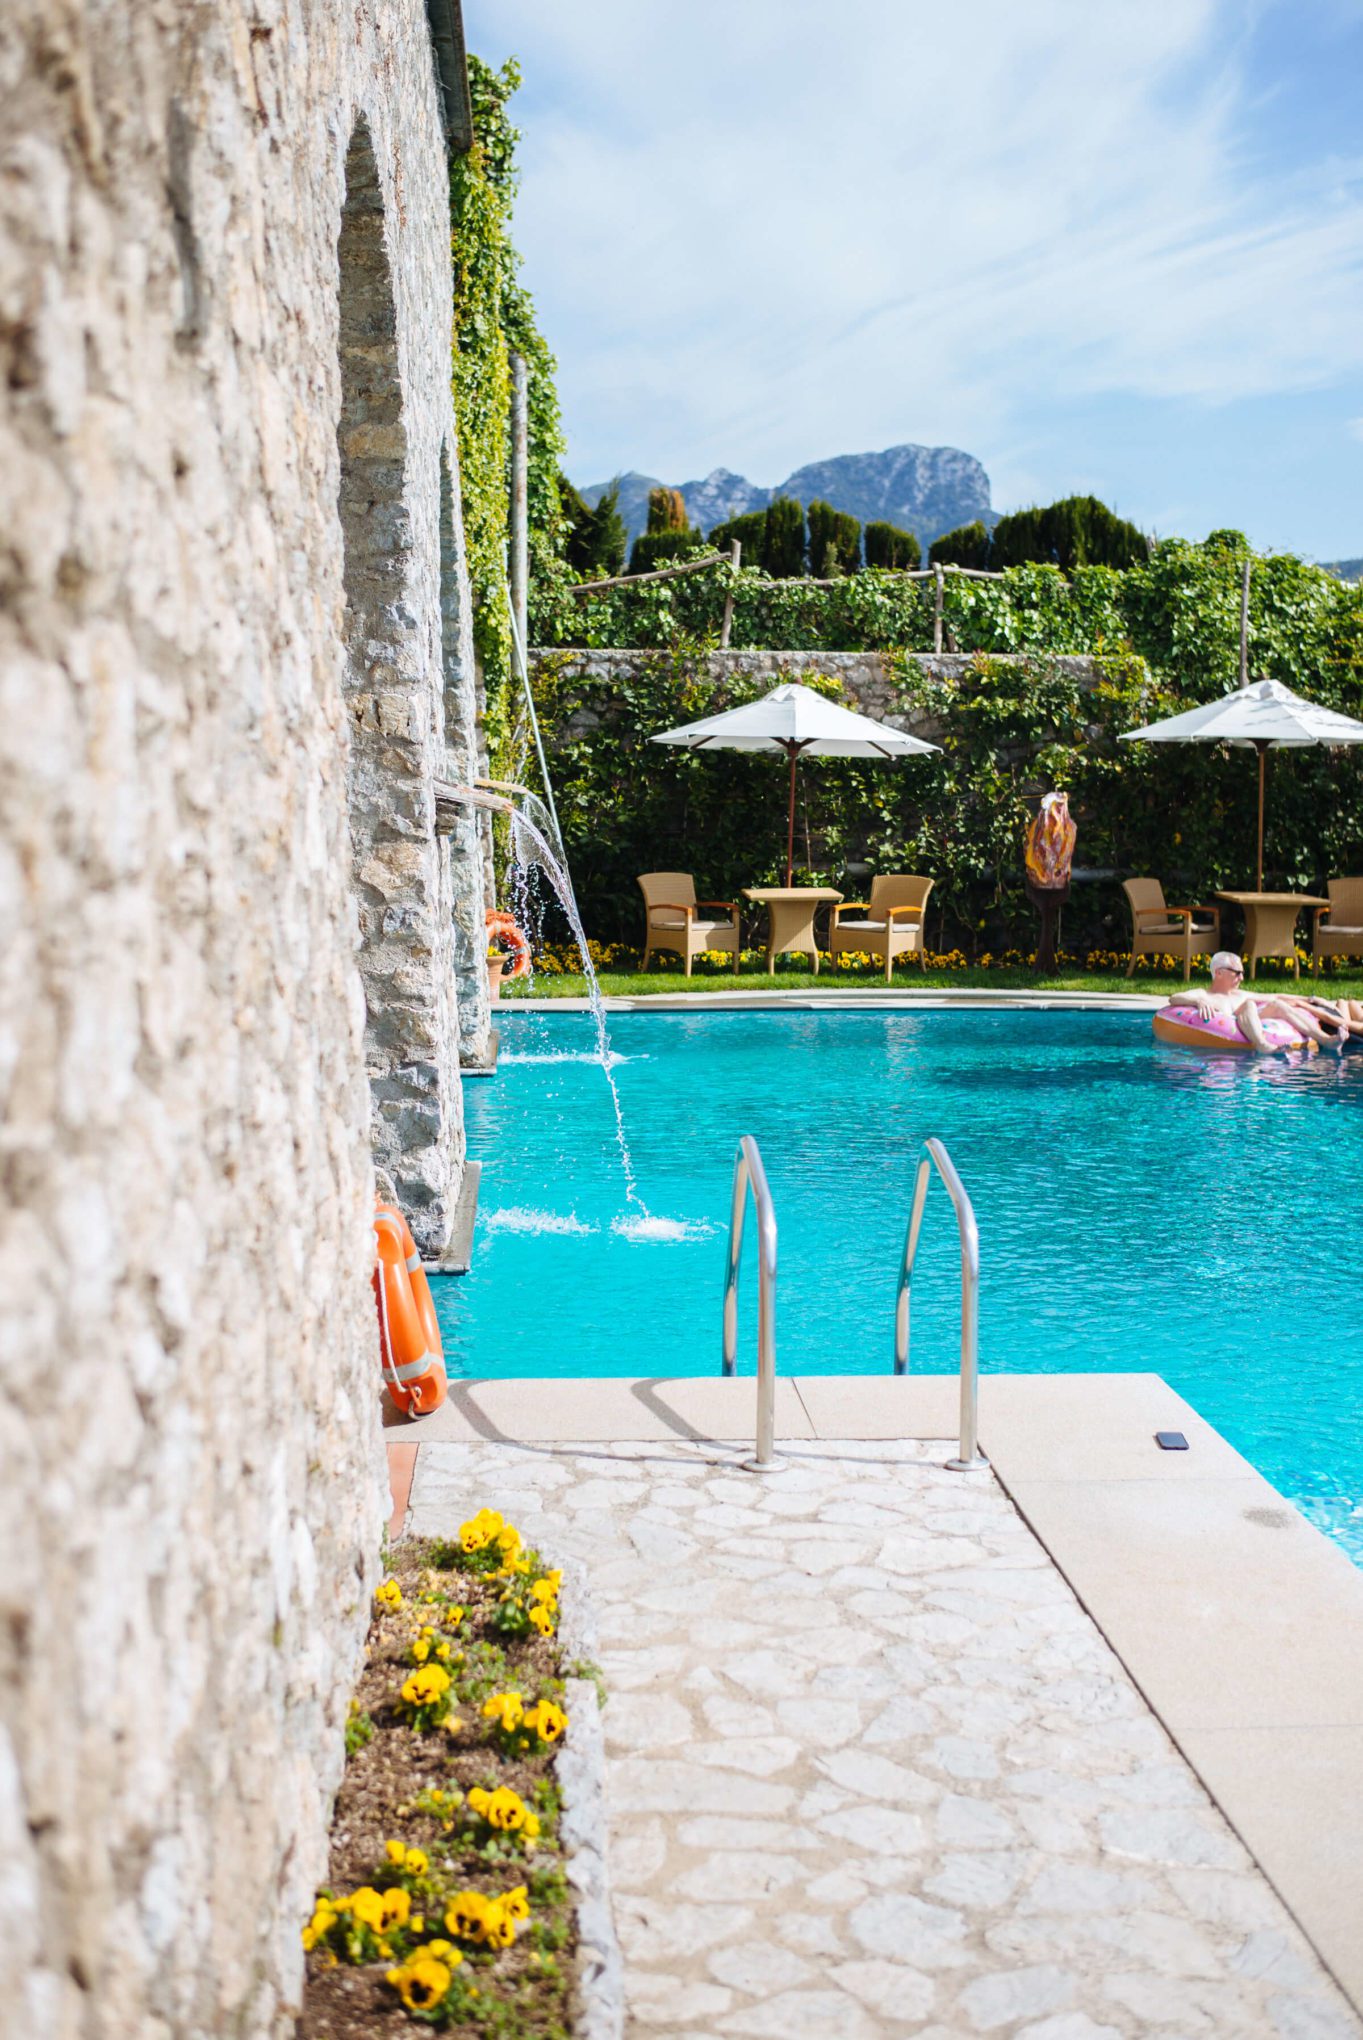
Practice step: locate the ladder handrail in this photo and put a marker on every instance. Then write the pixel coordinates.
(749, 1173)
(935, 1155)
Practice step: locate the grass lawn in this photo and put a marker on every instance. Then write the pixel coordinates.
(790, 977)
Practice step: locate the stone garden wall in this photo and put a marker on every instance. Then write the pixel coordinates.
(223, 240)
(867, 682)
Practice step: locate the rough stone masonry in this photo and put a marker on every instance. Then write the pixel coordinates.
(234, 652)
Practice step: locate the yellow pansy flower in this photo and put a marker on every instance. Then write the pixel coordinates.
(547, 1720)
(319, 1926)
(541, 1618)
(367, 1907)
(499, 1930)
(503, 1808)
(506, 1709)
(515, 1903)
(465, 1915)
(395, 1852)
(389, 1596)
(421, 1650)
(416, 1863)
(479, 1531)
(432, 1682)
(422, 1983)
(397, 1908)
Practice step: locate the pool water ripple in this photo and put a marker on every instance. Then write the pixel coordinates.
(1140, 1208)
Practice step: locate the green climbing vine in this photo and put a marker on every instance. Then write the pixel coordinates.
(494, 317)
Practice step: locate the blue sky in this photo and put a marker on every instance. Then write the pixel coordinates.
(1113, 247)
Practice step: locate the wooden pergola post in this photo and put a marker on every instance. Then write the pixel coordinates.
(735, 555)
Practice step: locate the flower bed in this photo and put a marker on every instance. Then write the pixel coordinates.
(446, 1903)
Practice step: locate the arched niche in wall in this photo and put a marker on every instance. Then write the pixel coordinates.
(393, 693)
(375, 524)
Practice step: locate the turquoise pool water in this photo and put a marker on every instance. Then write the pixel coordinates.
(1139, 1208)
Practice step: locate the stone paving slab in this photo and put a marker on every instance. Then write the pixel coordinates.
(578, 1410)
(872, 1770)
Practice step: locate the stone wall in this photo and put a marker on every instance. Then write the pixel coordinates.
(867, 682)
(197, 736)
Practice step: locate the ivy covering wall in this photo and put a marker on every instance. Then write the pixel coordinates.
(1161, 637)
(494, 317)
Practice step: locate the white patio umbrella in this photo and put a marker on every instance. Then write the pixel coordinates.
(1265, 715)
(796, 719)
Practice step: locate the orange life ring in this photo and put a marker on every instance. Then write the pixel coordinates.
(411, 1353)
(503, 927)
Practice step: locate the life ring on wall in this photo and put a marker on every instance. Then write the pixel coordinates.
(1183, 1027)
(411, 1353)
(504, 927)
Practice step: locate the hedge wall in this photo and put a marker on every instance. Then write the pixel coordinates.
(1162, 637)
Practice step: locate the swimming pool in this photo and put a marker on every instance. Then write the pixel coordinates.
(1139, 1208)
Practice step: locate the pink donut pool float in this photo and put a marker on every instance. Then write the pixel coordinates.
(1182, 1027)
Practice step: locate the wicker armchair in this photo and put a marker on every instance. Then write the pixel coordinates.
(673, 919)
(1158, 930)
(1338, 929)
(893, 925)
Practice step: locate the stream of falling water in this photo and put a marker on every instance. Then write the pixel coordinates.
(530, 848)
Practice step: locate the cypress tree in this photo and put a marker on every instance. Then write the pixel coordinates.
(1018, 538)
(783, 541)
(608, 535)
(595, 544)
(966, 546)
(668, 537)
(1076, 531)
(750, 530)
(834, 542)
(888, 546)
(666, 510)
(656, 548)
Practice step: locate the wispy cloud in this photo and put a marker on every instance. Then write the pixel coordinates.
(767, 231)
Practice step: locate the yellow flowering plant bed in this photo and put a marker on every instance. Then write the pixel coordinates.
(446, 1904)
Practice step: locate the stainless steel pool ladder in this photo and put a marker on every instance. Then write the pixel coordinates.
(935, 1156)
(750, 1174)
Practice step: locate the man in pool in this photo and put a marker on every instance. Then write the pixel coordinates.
(1227, 995)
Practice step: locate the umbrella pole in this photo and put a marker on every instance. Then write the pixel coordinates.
(1262, 749)
(794, 751)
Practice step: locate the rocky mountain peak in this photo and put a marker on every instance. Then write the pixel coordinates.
(923, 489)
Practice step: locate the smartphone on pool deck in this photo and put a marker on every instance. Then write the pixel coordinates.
(1171, 1441)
